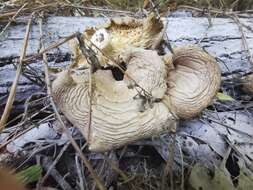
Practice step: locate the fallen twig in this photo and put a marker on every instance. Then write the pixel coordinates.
(22, 132)
(50, 47)
(41, 182)
(244, 40)
(79, 169)
(12, 94)
(98, 9)
(8, 14)
(182, 168)
(12, 19)
(169, 165)
(92, 60)
(215, 11)
(47, 163)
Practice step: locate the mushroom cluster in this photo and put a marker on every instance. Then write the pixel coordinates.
(155, 91)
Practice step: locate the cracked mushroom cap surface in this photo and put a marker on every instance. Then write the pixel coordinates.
(120, 114)
(118, 34)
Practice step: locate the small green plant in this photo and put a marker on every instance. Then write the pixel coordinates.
(30, 174)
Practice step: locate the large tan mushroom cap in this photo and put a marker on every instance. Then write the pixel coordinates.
(184, 83)
(118, 34)
(118, 117)
(193, 82)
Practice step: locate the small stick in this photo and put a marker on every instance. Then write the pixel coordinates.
(99, 183)
(52, 46)
(47, 163)
(12, 94)
(170, 161)
(12, 19)
(15, 136)
(8, 14)
(49, 169)
(155, 8)
(213, 11)
(90, 102)
(167, 41)
(116, 168)
(98, 9)
(94, 63)
(244, 40)
(182, 168)
(216, 11)
(119, 171)
(79, 170)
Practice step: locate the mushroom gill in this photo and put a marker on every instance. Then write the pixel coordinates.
(118, 34)
(119, 113)
(192, 83)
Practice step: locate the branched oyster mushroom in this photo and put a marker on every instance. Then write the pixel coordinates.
(118, 117)
(118, 34)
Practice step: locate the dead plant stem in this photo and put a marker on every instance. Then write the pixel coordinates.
(169, 165)
(244, 40)
(12, 19)
(50, 47)
(12, 94)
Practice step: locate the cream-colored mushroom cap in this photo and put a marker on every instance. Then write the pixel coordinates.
(181, 86)
(119, 115)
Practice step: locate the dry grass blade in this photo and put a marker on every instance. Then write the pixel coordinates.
(169, 165)
(212, 11)
(119, 171)
(99, 9)
(216, 11)
(244, 40)
(90, 103)
(41, 182)
(9, 14)
(12, 94)
(12, 19)
(116, 168)
(93, 62)
(182, 168)
(99, 183)
(55, 174)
